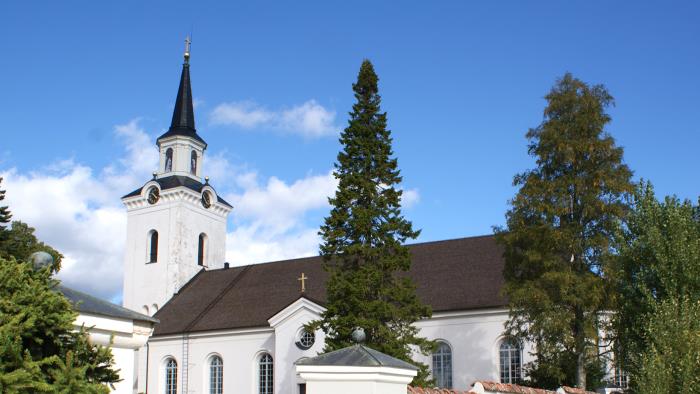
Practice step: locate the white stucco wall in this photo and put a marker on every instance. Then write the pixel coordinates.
(124, 361)
(182, 154)
(179, 218)
(239, 351)
(355, 379)
(124, 337)
(474, 337)
(288, 325)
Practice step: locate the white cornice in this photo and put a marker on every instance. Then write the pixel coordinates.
(468, 313)
(179, 173)
(217, 333)
(338, 373)
(300, 304)
(175, 194)
(180, 140)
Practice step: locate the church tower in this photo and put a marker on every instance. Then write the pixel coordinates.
(176, 224)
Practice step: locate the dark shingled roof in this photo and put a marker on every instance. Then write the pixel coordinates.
(452, 275)
(172, 181)
(89, 304)
(357, 356)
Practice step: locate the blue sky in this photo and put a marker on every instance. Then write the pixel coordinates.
(86, 87)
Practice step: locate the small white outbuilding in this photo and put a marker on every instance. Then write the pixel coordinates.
(124, 330)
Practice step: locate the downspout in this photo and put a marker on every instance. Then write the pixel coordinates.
(147, 359)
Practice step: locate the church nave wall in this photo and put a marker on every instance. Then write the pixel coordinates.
(238, 350)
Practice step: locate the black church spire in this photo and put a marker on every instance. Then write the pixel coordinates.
(183, 114)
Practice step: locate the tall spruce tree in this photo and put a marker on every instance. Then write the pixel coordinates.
(657, 274)
(363, 239)
(560, 230)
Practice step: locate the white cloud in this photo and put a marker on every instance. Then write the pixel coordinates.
(78, 210)
(245, 114)
(277, 205)
(271, 218)
(76, 216)
(198, 102)
(250, 244)
(410, 198)
(309, 119)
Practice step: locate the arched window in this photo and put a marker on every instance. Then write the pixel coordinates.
(510, 361)
(442, 366)
(193, 163)
(144, 310)
(153, 246)
(200, 248)
(265, 375)
(620, 377)
(169, 160)
(171, 377)
(154, 308)
(216, 375)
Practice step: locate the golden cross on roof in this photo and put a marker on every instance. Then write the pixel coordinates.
(303, 279)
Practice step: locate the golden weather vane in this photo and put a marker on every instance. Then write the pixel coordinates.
(188, 41)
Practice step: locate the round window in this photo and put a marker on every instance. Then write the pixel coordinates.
(306, 339)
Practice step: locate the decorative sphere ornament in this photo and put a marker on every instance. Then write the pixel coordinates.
(40, 260)
(359, 335)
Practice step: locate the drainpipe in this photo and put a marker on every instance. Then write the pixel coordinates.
(147, 359)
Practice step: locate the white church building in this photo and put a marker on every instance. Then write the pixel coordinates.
(240, 329)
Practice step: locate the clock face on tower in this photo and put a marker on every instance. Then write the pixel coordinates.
(206, 199)
(153, 195)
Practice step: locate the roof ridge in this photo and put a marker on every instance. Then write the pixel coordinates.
(366, 350)
(408, 245)
(451, 239)
(216, 299)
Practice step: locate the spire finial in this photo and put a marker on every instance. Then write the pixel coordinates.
(188, 41)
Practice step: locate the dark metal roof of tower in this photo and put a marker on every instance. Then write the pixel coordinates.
(183, 114)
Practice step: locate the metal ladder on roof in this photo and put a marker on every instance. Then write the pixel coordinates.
(185, 361)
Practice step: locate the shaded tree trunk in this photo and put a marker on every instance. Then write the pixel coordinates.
(580, 340)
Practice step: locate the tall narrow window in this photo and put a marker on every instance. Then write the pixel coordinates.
(510, 361)
(442, 366)
(171, 377)
(200, 248)
(193, 163)
(620, 378)
(216, 375)
(153, 246)
(265, 375)
(169, 160)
